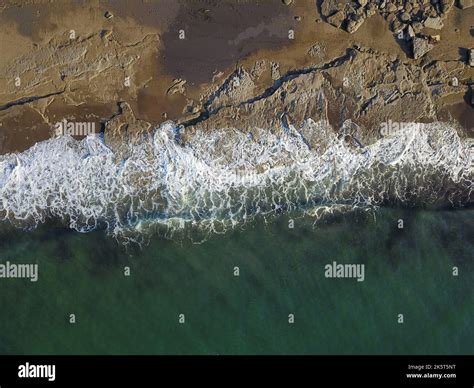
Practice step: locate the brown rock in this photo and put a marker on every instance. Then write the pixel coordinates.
(420, 47)
(405, 17)
(434, 23)
(446, 5)
(336, 19)
(329, 7)
(371, 9)
(463, 4)
(396, 25)
(391, 7)
(354, 24)
(417, 26)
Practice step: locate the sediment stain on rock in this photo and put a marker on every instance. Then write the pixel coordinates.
(217, 34)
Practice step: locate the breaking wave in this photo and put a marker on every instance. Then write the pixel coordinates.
(169, 181)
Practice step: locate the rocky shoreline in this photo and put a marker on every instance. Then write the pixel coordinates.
(210, 65)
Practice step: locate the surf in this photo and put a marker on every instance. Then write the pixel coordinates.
(170, 180)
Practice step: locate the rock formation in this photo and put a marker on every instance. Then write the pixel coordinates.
(363, 61)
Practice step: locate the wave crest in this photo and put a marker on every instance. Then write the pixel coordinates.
(221, 179)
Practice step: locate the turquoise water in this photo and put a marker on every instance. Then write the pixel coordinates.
(407, 271)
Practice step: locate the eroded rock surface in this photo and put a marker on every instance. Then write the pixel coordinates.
(130, 70)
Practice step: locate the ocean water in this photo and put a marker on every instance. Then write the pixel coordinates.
(183, 210)
(407, 271)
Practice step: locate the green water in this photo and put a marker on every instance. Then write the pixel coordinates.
(407, 271)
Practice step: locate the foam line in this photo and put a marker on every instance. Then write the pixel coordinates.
(224, 178)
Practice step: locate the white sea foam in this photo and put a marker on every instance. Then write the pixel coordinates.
(224, 178)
